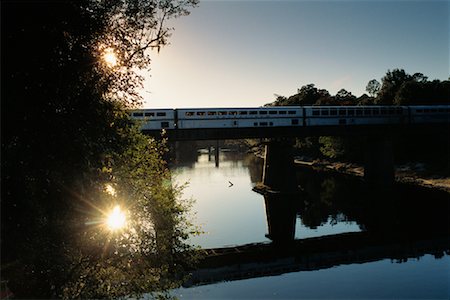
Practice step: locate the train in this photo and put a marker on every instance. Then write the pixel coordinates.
(288, 116)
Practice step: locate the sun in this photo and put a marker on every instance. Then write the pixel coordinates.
(110, 57)
(116, 219)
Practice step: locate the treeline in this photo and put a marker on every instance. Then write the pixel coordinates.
(396, 88)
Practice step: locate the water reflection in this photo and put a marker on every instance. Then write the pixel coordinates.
(232, 214)
(335, 221)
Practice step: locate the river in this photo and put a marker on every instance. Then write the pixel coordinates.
(396, 235)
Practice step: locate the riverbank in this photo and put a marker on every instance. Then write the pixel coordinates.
(410, 173)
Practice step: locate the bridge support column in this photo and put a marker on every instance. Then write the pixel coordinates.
(279, 171)
(379, 165)
(216, 153)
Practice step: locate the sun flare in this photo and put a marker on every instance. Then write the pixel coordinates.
(116, 219)
(110, 57)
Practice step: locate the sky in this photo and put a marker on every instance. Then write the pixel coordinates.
(243, 53)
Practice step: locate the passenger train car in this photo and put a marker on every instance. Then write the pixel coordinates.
(288, 116)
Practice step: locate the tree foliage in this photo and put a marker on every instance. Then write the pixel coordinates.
(373, 87)
(401, 88)
(306, 95)
(66, 135)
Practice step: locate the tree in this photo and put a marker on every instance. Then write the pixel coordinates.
(344, 97)
(373, 87)
(66, 135)
(391, 83)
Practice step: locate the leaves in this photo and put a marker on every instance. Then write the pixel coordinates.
(66, 134)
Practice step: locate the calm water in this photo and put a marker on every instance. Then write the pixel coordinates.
(231, 214)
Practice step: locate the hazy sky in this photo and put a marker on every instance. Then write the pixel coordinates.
(241, 53)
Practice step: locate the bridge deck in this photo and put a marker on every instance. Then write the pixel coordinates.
(300, 131)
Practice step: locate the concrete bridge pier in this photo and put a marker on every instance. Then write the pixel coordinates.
(217, 153)
(379, 164)
(279, 171)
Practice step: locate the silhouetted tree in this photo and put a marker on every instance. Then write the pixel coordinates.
(373, 87)
(365, 99)
(66, 133)
(306, 95)
(344, 97)
(391, 83)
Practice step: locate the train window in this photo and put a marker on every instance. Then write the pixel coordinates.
(426, 110)
(383, 111)
(350, 111)
(270, 123)
(201, 113)
(367, 111)
(333, 111)
(272, 112)
(315, 112)
(138, 114)
(243, 112)
(263, 112)
(433, 110)
(324, 112)
(294, 121)
(342, 112)
(291, 112)
(399, 111)
(359, 111)
(255, 124)
(419, 110)
(232, 113)
(263, 123)
(253, 112)
(441, 110)
(164, 124)
(222, 113)
(375, 111)
(149, 114)
(161, 114)
(212, 113)
(189, 113)
(392, 111)
(282, 112)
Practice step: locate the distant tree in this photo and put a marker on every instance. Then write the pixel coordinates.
(391, 83)
(399, 87)
(365, 99)
(422, 92)
(419, 77)
(344, 97)
(373, 87)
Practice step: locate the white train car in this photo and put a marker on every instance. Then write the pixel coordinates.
(154, 119)
(239, 117)
(355, 115)
(429, 114)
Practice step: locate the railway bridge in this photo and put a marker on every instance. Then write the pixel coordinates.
(279, 125)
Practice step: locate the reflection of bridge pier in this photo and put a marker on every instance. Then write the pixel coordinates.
(281, 217)
(216, 150)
